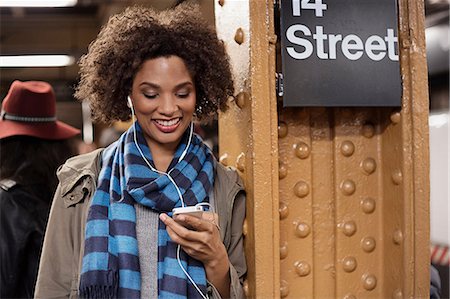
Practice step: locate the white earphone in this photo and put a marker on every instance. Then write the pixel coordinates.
(129, 103)
(191, 133)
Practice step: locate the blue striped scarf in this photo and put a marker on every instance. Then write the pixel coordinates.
(111, 258)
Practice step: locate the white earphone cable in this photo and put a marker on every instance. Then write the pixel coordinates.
(188, 276)
(191, 132)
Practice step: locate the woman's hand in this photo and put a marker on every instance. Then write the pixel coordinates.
(203, 243)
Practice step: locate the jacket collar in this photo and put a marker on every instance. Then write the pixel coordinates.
(78, 167)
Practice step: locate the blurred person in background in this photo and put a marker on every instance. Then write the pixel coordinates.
(33, 144)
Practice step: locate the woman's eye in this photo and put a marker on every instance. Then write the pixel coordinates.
(150, 95)
(183, 94)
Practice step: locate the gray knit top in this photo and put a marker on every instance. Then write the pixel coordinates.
(147, 237)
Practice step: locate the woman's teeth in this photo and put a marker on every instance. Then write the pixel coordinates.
(167, 123)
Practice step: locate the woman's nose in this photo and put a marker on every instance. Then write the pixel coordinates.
(168, 105)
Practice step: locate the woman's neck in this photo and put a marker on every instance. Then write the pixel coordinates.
(162, 154)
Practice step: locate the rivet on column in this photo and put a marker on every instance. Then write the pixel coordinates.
(245, 288)
(245, 227)
(398, 294)
(397, 177)
(368, 205)
(348, 187)
(396, 117)
(302, 268)
(242, 99)
(349, 296)
(369, 165)
(302, 230)
(369, 281)
(273, 39)
(348, 228)
(368, 244)
(347, 148)
(284, 250)
(239, 36)
(240, 162)
(301, 150)
(283, 210)
(284, 288)
(398, 237)
(406, 44)
(282, 129)
(349, 264)
(282, 170)
(301, 189)
(224, 159)
(368, 130)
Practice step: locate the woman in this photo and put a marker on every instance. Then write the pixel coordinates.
(33, 144)
(111, 233)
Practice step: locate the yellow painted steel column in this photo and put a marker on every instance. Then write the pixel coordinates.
(414, 124)
(354, 189)
(338, 198)
(248, 133)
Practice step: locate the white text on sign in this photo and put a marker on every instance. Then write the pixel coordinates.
(351, 46)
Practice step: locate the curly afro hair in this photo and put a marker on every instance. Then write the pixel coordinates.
(138, 34)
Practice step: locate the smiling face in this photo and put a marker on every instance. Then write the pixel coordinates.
(164, 96)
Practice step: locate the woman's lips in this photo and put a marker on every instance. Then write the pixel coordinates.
(167, 126)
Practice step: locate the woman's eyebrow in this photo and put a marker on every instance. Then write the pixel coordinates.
(183, 84)
(156, 86)
(153, 85)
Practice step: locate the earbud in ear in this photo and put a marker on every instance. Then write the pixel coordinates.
(129, 102)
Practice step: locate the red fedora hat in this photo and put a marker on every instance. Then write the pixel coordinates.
(29, 109)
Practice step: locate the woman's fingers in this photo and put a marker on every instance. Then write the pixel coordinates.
(178, 228)
(195, 223)
(177, 238)
(202, 244)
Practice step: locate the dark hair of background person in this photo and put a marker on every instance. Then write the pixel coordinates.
(32, 162)
(139, 34)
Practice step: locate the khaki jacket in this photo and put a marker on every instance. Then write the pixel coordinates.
(62, 251)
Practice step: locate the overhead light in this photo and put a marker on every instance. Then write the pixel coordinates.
(37, 3)
(36, 61)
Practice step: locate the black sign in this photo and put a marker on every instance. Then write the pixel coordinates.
(340, 53)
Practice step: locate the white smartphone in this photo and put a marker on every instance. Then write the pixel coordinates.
(196, 211)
